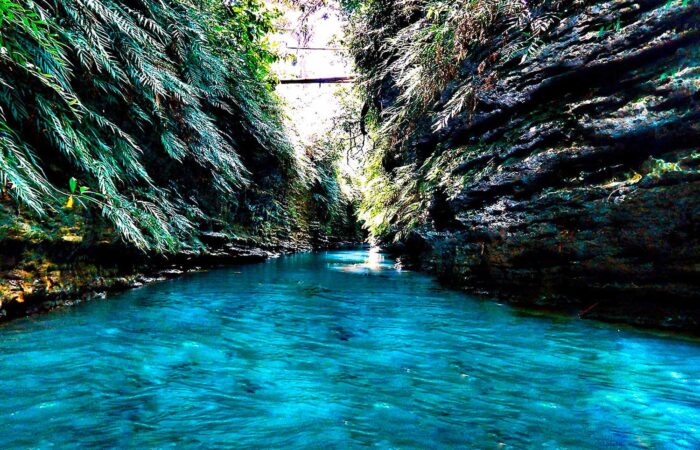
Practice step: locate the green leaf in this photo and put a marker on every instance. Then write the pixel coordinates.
(73, 183)
(83, 189)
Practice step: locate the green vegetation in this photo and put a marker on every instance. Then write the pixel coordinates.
(151, 120)
(241, 28)
(337, 154)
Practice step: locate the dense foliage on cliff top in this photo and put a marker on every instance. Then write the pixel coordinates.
(157, 114)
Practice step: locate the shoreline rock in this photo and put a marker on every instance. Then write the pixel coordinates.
(38, 278)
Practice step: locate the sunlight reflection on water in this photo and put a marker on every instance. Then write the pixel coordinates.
(375, 261)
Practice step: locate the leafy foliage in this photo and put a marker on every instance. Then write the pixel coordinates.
(242, 27)
(160, 111)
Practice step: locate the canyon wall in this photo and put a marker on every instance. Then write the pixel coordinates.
(571, 181)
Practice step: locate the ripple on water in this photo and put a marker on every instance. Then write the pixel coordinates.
(337, 350)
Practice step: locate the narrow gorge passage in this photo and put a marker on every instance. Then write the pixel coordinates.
(337, 350)
(320, 224)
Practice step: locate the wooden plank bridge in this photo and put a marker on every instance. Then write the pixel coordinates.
(323, 80)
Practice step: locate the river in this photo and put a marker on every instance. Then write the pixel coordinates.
(337, 350)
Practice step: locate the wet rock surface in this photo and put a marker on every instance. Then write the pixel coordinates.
(574, 183)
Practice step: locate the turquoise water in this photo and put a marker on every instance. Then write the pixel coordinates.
(336, 350)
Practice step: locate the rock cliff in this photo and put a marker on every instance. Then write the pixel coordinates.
(571, 178)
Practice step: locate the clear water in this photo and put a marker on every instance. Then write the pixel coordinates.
(336, 350)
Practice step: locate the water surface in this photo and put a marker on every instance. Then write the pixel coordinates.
(336, 350)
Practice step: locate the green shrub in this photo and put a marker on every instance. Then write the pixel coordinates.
(160, 123)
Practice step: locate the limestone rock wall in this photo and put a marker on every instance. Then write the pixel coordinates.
(574, 182)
